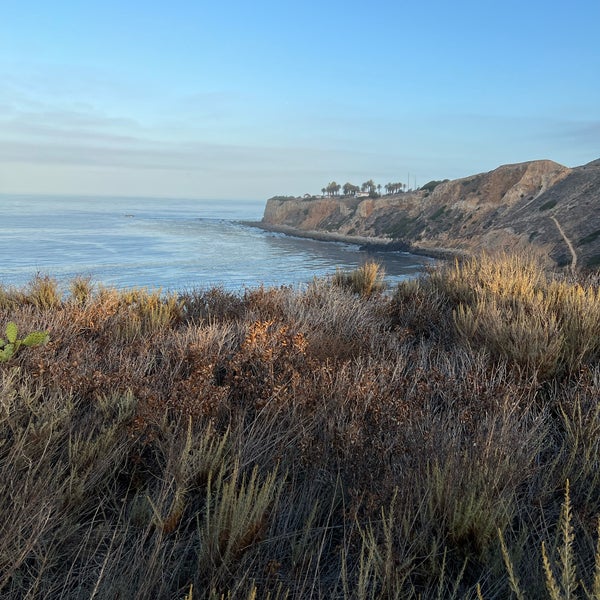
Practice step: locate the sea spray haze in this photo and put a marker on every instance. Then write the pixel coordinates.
(323, 442)
(172, 244)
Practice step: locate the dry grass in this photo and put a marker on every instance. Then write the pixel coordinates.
(514, 310)
(367, 280)
(329, 442)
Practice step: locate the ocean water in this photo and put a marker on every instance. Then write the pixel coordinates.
(175, 245)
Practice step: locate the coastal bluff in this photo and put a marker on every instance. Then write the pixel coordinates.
(538, 205)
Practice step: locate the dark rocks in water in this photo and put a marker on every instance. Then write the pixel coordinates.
(395, 246)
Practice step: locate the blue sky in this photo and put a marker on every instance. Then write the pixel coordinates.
(252, 99)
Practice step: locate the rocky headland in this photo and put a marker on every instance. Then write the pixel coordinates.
(539, 205)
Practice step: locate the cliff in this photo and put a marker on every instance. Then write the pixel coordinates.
(539, 204)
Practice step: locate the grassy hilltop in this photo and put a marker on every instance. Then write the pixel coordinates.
(438, 441)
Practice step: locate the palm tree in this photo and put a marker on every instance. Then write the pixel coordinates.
(394, 188)
(368, 186)
(333, 188)
(350, 189)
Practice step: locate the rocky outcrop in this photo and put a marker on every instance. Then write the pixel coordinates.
(538, 204)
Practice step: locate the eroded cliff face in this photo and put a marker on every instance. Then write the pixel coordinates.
(512, 207)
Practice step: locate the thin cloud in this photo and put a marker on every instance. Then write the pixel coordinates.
(24, 129)
(167, 156)
(211, 105)
(52, 136)
(587, 132)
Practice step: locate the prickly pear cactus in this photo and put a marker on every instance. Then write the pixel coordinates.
(10, 345)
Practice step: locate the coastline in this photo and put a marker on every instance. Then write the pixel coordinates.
(374, 244)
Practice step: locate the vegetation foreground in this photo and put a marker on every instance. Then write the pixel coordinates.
(438, 441)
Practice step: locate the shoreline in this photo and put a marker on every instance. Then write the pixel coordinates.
(374, 244)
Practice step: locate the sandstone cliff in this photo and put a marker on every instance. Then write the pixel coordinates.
(538, 204)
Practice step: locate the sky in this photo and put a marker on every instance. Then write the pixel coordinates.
(238, 99)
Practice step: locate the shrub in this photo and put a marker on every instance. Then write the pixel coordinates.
(548, 205)
(43, 292)
(367, 280)
(306, 443)
(509, 306)
(438, 213)
(82, 290)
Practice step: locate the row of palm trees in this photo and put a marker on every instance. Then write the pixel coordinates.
(370, 187)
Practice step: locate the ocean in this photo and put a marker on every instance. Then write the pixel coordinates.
(174, 245)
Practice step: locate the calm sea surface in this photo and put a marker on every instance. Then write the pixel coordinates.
(175, 245)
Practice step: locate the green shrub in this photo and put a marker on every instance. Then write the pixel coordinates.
(594, 261)
(438, 213)
(431, 185)
(590, 237)
(548, 205)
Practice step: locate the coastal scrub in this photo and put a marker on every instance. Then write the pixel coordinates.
(438, 441)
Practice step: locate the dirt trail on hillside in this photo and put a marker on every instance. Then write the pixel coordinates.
(569, 244)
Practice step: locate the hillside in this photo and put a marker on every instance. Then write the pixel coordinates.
(538, 204)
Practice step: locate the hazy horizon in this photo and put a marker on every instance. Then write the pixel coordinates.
(248, 101)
